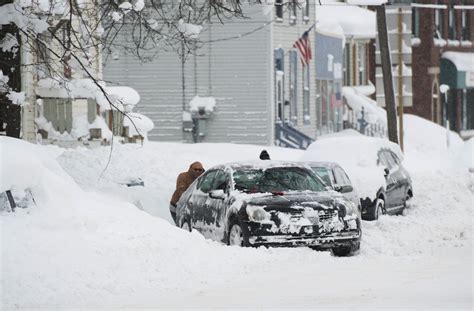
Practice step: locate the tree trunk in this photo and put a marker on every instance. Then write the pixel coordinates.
(10, 114)
(387, 74)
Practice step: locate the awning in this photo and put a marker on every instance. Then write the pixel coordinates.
(457, 70)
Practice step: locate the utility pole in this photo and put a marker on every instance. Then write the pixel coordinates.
(400, 76)
(387, 74)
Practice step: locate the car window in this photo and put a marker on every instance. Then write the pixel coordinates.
(205, 182)
(341, 177)
(325, 174)
(220, 181)
(385, 159)
(395, 158)
(276, 179)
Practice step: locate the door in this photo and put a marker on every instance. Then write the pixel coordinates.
(387, 162)
(402, 178)
(198, 201)
(343, 180)
(214, 223)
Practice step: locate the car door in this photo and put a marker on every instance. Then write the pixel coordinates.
(213, 226)
(387, 162)
(342, 179)
(198, 200)
(401, 177)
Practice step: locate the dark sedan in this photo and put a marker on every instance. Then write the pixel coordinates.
(271, 204)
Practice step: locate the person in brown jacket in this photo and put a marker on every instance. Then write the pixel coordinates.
(185, 179)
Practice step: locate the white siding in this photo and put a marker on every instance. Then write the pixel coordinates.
(238, 76)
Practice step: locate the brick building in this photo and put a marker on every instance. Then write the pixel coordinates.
(443, 53)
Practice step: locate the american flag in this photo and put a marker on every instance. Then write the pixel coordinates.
(304, 48)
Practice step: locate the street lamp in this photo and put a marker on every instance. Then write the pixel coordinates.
(444, 88)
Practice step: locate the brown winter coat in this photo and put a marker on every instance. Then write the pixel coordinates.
(185, 179)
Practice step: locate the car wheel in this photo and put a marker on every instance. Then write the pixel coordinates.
(236, 235)
(186, 226)
(341, 251)
(377, 209)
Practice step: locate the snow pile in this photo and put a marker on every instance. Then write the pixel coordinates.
(422, 135)
(357, 154)
(88, 247)
(356, 98)
(17, 98)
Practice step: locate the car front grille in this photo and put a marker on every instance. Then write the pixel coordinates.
(327, 214)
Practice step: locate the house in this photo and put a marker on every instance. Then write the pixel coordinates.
(443, 54)
(54, 81)
(359, 110)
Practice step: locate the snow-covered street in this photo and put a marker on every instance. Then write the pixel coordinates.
(86, 246)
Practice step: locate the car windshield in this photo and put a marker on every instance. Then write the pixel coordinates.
(276, 179)
(323, 173)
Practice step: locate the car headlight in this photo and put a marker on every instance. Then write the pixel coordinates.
(257, 213)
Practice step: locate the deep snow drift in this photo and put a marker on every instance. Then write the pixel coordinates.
(85, 244)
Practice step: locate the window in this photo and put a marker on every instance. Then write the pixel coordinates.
(293, 8)
(341, 177)
(361, 64)
(439, 18)
(279, 81)
(452, 24)
(325, 174)
(385, 159)
(205, 182)
(279, 9)
(59, 112)
(395, 158)
(293, 86)
(415, 20)
(220, 181)
(466, 25)
(306, 12)
(306, 115)
(347, 64)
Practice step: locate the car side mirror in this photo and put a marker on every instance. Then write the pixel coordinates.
(346, 188)
(337, 188)
(217, 194)
(386, 172)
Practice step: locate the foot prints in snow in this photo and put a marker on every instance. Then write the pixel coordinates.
(90, 247)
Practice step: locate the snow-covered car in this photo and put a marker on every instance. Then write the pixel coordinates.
(335, 177)
(269, 203)
(374, 166)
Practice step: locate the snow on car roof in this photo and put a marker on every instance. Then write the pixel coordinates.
(260, 164)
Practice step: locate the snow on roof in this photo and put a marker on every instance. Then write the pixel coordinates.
(463, 61)
(123, 94)
(87, 88)
(355, 21)
(330, 28)
(356, 99)
(206, 103)
(140, 122)
(13, 13)
(189, 30)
